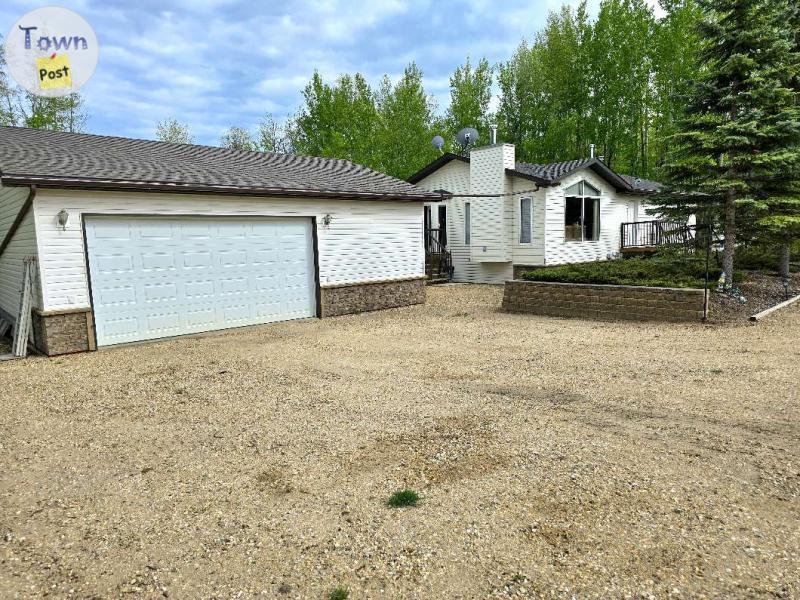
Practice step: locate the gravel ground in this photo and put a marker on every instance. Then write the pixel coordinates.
(762, 290)
(556, 458)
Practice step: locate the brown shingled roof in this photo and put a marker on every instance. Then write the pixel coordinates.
(60, 159)
(551, 173)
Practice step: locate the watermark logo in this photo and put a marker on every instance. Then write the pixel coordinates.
(51, 51)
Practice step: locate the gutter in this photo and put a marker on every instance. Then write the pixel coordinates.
(184, 188)
(23, 211)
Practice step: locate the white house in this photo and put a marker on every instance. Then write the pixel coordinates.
(505, 215)
(139, 240)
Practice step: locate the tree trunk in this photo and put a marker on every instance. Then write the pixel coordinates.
(730, 238)
(784, 255)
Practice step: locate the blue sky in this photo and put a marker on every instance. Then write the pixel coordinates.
(218, 63)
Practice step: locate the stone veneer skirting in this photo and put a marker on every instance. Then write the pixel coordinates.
(603, 301)
(63, 332)
(362, 297)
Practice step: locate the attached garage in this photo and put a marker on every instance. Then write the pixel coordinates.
(139, 240)
(153, 277)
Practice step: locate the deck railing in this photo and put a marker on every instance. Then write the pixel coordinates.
(652, 234)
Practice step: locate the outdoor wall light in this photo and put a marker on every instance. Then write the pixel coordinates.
(61, 218)
(326, 220)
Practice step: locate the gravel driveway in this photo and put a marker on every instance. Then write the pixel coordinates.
(555, 458)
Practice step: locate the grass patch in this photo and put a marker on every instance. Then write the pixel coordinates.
(403, 498)
(339, 593)
(684, 272)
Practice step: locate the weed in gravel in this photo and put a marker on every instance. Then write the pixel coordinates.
(339, 593)
(403, 498)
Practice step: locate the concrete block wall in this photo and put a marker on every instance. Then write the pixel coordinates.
(603, 301)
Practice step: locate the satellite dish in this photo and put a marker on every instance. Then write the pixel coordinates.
(467, 137)
(438, 142)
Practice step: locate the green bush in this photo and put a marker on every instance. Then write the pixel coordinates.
(403, 498)
(658, 271)
(339, 593)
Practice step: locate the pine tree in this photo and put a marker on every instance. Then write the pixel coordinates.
(780, 193)
(731, 141)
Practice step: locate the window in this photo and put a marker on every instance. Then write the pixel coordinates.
(582, 213)
(525, 221)
(467, 224)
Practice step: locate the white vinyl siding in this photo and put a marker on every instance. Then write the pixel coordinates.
(365, 241)
(614, 210)
(454, 177)
(22, 244)
(527, 254)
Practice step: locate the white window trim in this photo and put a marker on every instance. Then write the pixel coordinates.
(583, 240)
(519, 212)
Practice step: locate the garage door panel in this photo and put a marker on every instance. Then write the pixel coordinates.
(173, 276)
(117, 296)
(158, 261)
(196, 290)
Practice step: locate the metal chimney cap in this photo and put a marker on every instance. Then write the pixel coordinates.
(492, 134)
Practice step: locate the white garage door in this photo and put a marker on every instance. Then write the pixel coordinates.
(155, 277)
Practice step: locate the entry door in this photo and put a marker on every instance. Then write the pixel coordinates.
(443, 224)
(154, 277)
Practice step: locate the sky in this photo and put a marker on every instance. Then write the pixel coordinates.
(216, 63)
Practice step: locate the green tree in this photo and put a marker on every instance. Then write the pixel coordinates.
(272, 137)
(406, 125)
(549, 117)
(238, 138)
(676, 47)
(732, 140)
(336, 121)
(470, 95)
(172, 130)
(779, 202)
(621, 94)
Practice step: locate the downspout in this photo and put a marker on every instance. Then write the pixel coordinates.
(26, 206)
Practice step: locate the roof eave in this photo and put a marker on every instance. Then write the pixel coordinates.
(435, 166)
(538, 180)
(183, 188)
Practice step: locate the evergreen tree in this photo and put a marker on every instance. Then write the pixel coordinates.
(731, 140)
(779, 197)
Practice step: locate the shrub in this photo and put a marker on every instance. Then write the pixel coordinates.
(339, 593)
(403, 498)
(658, 271)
